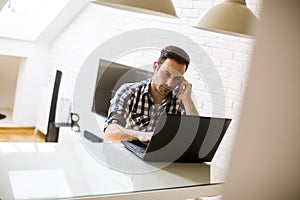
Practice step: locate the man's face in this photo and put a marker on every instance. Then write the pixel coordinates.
(167, 76)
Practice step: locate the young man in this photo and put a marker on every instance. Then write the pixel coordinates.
(137, 107)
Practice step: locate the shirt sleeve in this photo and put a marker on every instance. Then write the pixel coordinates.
(119, 106)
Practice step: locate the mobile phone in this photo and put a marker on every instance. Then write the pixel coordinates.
(176, 91)
(92, 137)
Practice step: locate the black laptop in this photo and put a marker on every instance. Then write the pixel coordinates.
(182, 138)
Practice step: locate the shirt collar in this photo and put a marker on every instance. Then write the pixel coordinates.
(147, 86)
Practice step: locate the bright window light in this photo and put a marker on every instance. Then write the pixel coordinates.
(26, 20)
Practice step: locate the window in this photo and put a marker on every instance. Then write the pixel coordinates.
(26, 20)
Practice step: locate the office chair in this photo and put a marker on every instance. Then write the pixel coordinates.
(2, 116)
(53, 128)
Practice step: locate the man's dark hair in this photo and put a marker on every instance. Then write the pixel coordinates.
(174, 53)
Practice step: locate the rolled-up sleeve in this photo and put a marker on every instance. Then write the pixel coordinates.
(119, 106)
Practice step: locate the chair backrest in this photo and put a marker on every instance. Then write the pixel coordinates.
(110, 77)
(52, 130)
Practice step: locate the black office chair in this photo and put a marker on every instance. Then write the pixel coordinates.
(53, 128)
(2, 116)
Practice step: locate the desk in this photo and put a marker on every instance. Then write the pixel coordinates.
(69, 170)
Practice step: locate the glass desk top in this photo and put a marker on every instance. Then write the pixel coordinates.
(70, 170)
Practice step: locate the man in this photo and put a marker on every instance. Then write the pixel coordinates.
(137, 107)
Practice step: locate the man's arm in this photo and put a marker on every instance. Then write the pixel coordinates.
(190, 107)
(114, 130)
(117, 133)
(114, 133)
(118, 113)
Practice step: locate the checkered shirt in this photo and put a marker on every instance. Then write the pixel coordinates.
(132, 107)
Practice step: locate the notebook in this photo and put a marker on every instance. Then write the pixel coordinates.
(182, 138)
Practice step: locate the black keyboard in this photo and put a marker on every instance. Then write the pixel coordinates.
(137, 147)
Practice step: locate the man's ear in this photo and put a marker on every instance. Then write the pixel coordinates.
(155, 66)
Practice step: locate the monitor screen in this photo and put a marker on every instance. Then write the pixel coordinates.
(110, 77)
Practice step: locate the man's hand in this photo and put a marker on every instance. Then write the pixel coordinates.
(185, 90)
(140, 135)
(185, 95)
(117, 133)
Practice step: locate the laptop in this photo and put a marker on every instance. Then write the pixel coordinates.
(182, 138)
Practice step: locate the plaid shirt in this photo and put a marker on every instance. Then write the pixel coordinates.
(132, 107)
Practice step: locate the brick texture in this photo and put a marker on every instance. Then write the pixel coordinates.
(230, 54)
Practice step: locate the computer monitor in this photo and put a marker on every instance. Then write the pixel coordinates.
(110, 77)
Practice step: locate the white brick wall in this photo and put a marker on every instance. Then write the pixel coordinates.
(230, 55)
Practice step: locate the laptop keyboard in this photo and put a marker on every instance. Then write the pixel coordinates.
(136, 149)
